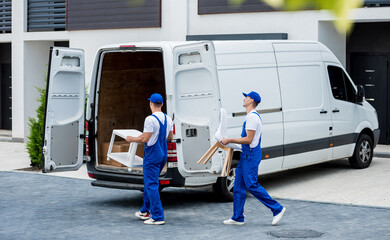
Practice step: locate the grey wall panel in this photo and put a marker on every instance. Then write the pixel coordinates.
(223, 6)
(102, 14)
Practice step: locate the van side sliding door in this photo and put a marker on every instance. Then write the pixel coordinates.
(64, 113)
(306, 108)
(197, 105)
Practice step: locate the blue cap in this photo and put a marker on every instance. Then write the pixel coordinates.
(156, 98)
(254, 95)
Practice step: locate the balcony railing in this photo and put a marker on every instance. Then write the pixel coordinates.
(45, 15)
(5, 16)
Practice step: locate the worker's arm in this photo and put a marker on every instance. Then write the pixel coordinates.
(250, 134)
(170, 136)
(143, 138)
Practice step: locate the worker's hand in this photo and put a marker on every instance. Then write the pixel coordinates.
(129, 139)
(225, 141)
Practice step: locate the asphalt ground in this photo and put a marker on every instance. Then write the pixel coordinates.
(324, 201)
(37, 206)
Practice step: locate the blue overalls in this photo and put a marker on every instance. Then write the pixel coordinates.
(246, 178)
(154, 160)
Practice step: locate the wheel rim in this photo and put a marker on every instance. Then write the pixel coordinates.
(365, 151)
(230, 179)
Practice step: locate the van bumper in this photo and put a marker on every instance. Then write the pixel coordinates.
(377, 133)
(172, 178)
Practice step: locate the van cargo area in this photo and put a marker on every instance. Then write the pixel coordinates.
(125, 81)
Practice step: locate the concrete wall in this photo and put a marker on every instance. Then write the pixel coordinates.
(36, 57)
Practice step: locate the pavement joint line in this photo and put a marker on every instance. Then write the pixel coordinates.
(42, 174)
(287, 199)
(334, 203)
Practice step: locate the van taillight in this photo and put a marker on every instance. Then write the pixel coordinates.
(90, 175)
(86, 139)
(165, 182)
(172, 153)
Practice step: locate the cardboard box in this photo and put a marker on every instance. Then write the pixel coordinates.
(118, 146)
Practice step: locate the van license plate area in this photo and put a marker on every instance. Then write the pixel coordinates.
(172, 164)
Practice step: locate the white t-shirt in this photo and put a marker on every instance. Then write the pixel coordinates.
(151, 125)
(254, 123)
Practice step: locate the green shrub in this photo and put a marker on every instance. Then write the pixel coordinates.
(34, 142)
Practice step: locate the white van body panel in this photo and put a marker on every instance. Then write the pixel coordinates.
(245, 66)
(304, 96)
(64, 118)
(296, 107)
(197, 106)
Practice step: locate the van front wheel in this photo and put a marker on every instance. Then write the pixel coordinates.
(363, 153)
(224, 185)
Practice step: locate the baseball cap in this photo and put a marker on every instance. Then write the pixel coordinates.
(156, 98)
(254, 95)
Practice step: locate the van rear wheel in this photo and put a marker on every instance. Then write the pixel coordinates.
(363, 153)
(224, 185)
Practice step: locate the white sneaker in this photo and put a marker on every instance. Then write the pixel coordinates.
(143, 216)
(150, 221)
(232, 222)
(278, 217)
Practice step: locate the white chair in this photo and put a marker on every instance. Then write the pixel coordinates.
(129, 159)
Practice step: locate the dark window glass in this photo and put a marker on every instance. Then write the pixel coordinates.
(342, 88)
(349, 88)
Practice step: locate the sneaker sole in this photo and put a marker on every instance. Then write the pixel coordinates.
(155, 223)
(236, 223)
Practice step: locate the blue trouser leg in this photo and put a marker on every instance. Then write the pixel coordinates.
(146, 205)
(250, 175)
(151, 173)
(239, 195)
(146, 201)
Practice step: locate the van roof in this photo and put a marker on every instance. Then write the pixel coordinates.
(266, 44)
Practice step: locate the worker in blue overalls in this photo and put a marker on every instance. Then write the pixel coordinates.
(247, 168)
(157, 131)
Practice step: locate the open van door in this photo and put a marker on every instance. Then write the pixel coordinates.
(64, 113)
(197, 106)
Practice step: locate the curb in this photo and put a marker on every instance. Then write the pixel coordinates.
(382, 154)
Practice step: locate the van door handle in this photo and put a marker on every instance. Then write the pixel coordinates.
(335, 110)
(323, 111)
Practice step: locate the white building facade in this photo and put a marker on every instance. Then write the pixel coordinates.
(25, 49)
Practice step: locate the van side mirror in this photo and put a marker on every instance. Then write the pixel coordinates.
(360, 96)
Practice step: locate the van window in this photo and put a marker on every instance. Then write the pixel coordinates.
(189, 58)
(342, 88)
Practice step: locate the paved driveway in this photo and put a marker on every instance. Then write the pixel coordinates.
(36, 206)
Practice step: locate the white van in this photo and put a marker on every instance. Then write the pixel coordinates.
(311, 110)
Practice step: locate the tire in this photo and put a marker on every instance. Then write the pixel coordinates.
(224, 185)
(363, 153)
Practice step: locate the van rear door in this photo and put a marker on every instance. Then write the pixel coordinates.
(64, 112)
(197, 105)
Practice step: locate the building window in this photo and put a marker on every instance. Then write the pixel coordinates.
(5, 16)
(44, 15)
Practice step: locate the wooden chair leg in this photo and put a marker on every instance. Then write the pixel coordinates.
(229, 161)
(225, 163)
(212, 149)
